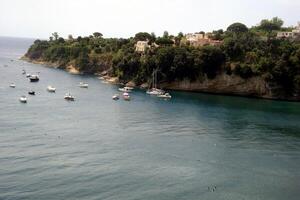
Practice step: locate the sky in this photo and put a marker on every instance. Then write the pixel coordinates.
(124, 18)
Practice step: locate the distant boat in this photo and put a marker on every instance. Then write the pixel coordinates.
(126, 96)
(165, 96)
(154, 90)
(125, 89)
(83, 85)
(69, 97)
(34, 78)
(115, 97)
(31, 92)
(101, 78)
(51, 89)
(12, 85)
(23, 99)
(28, 75)
(23, 71)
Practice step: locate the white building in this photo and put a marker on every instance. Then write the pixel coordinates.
(141, 46)
(295, 33)
(201, 39)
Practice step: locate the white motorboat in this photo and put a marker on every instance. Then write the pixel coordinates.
(128, 88)
(34, 78)
(125, 89)
(23, 99)
(51, 89)
(69, 97)
(28, 75)
(115, 97)
(83, 85)
(165, 96)
(126, 96)
(12, 85)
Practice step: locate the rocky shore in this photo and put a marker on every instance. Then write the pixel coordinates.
(222, 84)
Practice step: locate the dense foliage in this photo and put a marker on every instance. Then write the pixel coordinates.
(245, 52)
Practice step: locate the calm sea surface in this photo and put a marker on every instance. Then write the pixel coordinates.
(195, 146)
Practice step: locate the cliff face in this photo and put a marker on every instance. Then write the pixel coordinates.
(222, 84)
(231, 85)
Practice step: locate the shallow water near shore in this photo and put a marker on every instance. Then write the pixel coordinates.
(194, 146)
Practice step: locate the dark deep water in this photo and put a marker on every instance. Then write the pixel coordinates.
(96, 148)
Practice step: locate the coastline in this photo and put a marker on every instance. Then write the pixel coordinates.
(223, 84)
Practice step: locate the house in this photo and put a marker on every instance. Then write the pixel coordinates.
(292, 35)
(201, 39)
(141, 46)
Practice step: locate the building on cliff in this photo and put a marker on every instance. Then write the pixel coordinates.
(141, 46)
(201, 39)
(291, 34)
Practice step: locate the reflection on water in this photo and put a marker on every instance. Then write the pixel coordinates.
(96, 148)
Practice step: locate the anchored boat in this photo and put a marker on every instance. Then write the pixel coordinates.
(69, 97)
(34, 78)
(51, 89)
(12, 85)
(115, 97)
(23, 99)
(126, 96)
(83, 85)
(31, 92)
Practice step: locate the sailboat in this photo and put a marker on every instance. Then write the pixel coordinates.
(154, 90)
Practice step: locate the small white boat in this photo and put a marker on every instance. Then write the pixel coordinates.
(23, 99)
(128, 88)
(69, 97)
(28, 75)
(125, 89)
(101, 78)
(23, 71)
(34, 78)
(83, 85)
(165, 96)
(51, 89)
(115, 97)
(126, 96)
(12, 85)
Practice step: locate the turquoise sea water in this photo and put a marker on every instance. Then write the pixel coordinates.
(195, 146)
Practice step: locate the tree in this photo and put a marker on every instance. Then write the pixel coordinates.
(97, 35)
(143, 36)
(270, 25)
(166, 34)
(70, 37)
(164, 41)
(212, 58)
(237, 28)
(55, 35)
(61, 40)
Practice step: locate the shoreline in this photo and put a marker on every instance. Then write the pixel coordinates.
(173, 86)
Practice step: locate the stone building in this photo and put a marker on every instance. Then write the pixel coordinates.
(201, 39)
(141, 46)
(292, 35)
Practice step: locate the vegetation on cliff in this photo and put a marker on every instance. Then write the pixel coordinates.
(245, 52)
